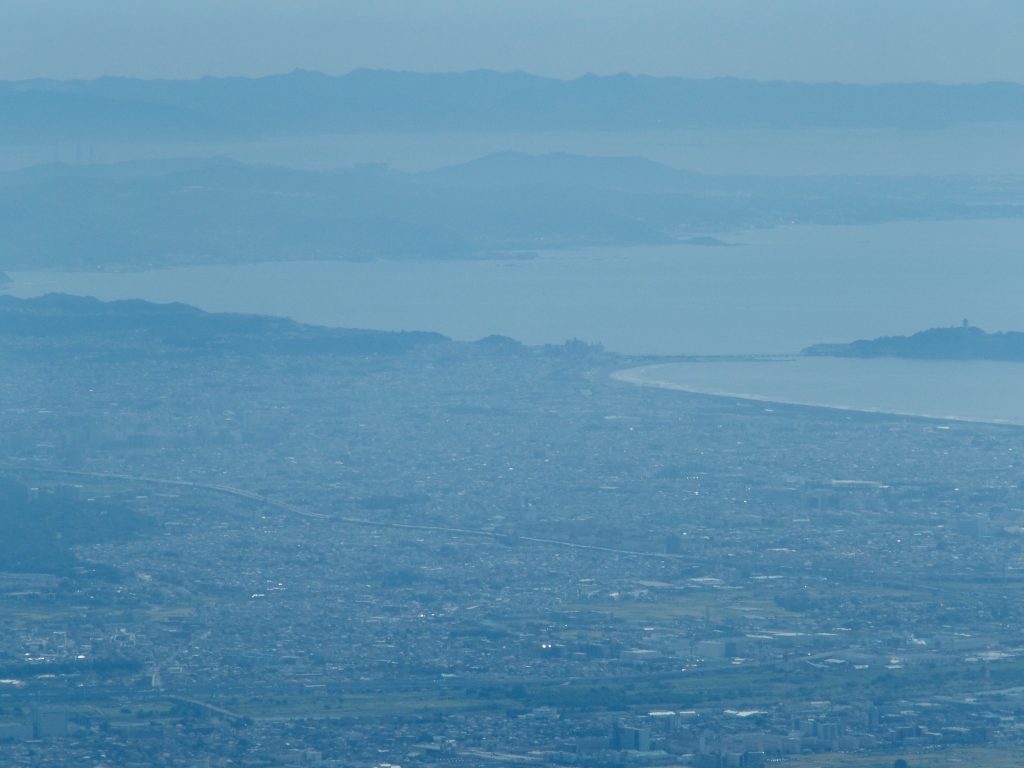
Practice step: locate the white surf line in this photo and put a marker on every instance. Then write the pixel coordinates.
(637, 377)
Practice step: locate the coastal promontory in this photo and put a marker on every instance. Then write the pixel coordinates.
(963, 342)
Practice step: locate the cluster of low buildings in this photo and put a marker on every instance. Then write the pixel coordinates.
(476, 556)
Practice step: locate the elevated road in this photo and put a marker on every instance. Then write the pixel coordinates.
(259, 498)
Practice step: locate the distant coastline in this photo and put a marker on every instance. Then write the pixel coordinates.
(963, 342)
(655, 376)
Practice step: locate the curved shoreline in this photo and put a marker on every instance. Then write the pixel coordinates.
(640, 376)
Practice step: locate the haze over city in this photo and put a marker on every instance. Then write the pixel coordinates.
(445, 383)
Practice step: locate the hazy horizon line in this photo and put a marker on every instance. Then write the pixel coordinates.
(511, 72)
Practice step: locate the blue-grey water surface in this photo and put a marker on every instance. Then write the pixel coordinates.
(776, 291)
(965, 390)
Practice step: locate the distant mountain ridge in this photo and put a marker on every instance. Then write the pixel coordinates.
(172, 212)
(954, 343)
(301, 102)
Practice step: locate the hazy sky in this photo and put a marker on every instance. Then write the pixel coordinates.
(815, 40)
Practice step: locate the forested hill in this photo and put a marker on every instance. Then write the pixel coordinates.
(57, 321)
(84, 329)
(40, 529)
(954, 343)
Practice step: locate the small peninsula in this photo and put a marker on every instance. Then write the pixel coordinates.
(963, 342)
(707, 242)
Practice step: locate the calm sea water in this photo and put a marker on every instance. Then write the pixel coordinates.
(971, 391)
(776, 291)
(960, 149)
